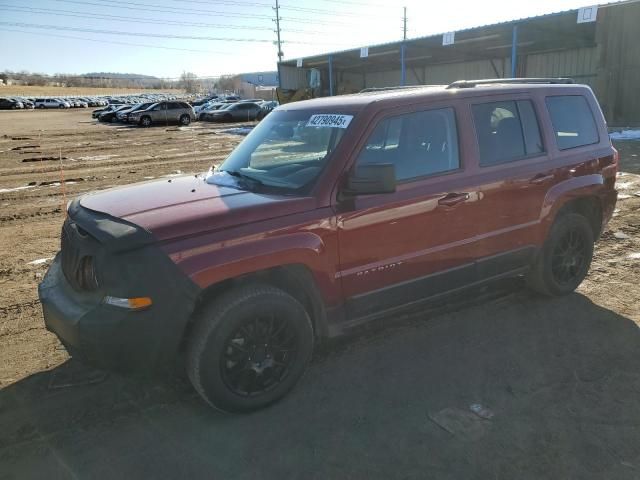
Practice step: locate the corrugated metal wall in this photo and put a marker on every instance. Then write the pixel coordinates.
(292, 77)
(450, 72)
(580, 64)
(618, 36)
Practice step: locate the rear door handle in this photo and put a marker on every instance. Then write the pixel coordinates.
(451, 199)
(541, 178)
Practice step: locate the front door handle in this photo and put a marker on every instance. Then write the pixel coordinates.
(541, 178)
(451, 199)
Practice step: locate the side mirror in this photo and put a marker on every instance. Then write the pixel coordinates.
(371, 179)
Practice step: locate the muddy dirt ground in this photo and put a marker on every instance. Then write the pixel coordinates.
(560, 376)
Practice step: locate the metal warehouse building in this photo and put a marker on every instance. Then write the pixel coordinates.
(598, 45)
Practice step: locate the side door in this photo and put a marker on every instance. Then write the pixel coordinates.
(242, 112)
(159, 112)
(513, 173)
(400, 247)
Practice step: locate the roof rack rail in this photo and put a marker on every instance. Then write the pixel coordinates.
(383, 89)
(490, 81)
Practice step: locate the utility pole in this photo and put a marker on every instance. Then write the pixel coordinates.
(404, 23)
(277, 9)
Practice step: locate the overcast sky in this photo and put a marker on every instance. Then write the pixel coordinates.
(240, 32)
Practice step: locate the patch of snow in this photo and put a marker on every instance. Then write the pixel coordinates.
(625, 135)
(634, 256)
(5, 190)
(98, 157)
(620, 235)
(40, 261)
(238, 131)
(624, 185)
(623, 196)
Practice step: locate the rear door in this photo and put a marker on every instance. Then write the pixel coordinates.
(513, 173)
(401, 247)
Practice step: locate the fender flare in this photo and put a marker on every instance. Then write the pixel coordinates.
(218, 262)
(571, 189)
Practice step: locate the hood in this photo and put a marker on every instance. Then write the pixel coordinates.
(188, 205)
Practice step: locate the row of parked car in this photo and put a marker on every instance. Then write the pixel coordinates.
(146, 113)
(17, 103)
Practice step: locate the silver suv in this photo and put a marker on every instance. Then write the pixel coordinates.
(164, 112)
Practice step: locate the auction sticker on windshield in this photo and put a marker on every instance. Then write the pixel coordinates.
(329, 120)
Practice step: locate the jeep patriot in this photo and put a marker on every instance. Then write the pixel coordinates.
(330, 213)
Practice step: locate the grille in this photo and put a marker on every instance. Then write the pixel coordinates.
(77, 268)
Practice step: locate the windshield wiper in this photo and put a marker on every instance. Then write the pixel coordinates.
(244, 176)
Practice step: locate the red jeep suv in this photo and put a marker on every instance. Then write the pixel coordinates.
(333, 212)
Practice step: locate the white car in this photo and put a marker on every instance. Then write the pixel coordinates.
(51, 103)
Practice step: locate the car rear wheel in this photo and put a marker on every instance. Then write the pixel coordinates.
(185, 119)
(249, 348)
(145, 121)
(565, 258)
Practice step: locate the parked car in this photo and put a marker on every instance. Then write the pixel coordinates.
(331, 213)
(123, 115)
(10, 104)
(266, 108)
(111, 115)
(26, 103)
(108, 108)
(164, 112)
(202, 112)
(51, 103)
(235, 112)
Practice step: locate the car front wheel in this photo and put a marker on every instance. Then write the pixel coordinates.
(565, 258)
(185, 120)
(248, 348)
(145, 121)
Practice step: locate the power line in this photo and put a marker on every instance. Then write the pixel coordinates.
(146, 7)
(134, 34)
(153, 8)
(151, 35)
(229, 2)
(119, 18)
(129, 44)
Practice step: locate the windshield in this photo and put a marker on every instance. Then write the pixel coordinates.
(286, 150)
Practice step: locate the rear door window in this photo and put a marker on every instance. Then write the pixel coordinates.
(506, 131)
(417, 144)
(573, 121)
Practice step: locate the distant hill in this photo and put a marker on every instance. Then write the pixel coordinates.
(119, 76)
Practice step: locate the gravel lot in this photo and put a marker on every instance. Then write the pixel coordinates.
(560, 376)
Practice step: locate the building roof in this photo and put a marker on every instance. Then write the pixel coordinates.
(540, 33)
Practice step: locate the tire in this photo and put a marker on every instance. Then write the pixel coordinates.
(60, 106)
(40, 106)
(114, 119)
(565, 258)
(184, 120)
(228, 118)
(217, 346)
(145, 121)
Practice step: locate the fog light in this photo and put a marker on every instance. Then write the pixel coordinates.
(137, 303)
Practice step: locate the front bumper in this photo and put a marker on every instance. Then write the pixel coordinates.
(101, 335)
(108, 336)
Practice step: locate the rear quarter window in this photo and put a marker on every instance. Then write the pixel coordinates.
(573, 121)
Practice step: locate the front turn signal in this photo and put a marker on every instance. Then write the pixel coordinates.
(137, 303)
